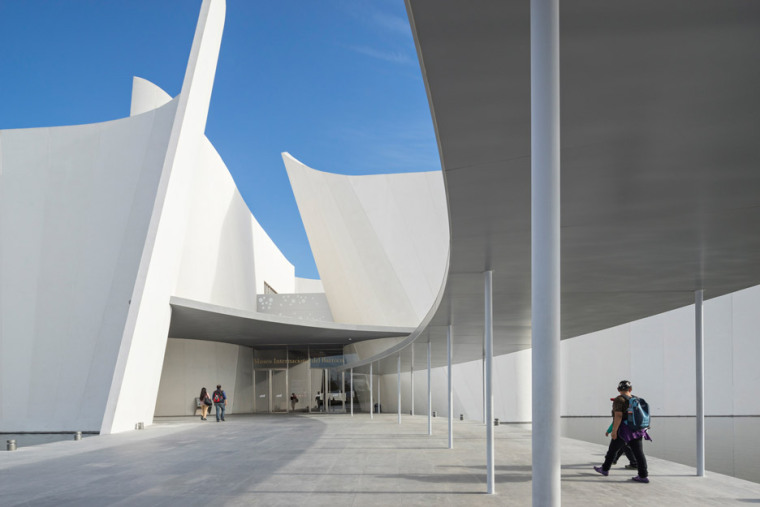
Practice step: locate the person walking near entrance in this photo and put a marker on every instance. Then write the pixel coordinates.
(622, 433)
(293, 401)
(625, 449)
(205, 403)
(220, 401)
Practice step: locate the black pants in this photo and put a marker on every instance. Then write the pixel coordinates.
(628, 454)
(638, 452)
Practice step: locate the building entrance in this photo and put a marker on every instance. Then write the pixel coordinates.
(271, 391)
(291, 379)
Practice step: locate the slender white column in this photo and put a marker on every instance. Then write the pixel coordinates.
(352, 392)
(379, 402)
(343, 388)
(371, 401)
(411, 381)
(430, 392)
(324, 391)
(451, 388)
(398, 385)
(287, 378)
(308, 358)
(545, 250)
(483, 373)
(488, 360)
(700, 360)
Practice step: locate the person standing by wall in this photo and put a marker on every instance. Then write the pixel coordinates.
(220, 401)
(622, 434)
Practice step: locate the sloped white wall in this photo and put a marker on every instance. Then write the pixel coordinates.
(192, 364)
(75, 203)
(134, 384)
(380, 241)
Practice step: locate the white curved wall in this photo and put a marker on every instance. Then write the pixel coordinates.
(100, 225)
(75, 203)
(146, 96)
(380, 241)
(217, 258)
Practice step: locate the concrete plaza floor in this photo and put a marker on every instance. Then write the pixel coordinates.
(330, 460)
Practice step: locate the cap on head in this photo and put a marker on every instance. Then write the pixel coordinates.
(624, 385)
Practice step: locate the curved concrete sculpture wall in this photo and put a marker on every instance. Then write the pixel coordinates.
(101, 225)
(75, 204)
(380, 242)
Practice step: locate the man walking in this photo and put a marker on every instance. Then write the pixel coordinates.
(220, 401)
(623, 434)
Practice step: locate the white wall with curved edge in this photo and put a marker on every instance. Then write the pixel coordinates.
(75, 203)
(380, 242)
(146, 96)
(101, 225)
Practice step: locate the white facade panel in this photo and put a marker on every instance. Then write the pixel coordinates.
(656, 354)
(190, 365)
(75, 204)
(662, 360)
(512, 398)
(308, 286)
(218, 253)
(380, 242)
(608, 351)
(718, 331)
(271, 265)
(746, 352)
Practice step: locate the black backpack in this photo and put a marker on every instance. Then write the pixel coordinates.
(218, 396)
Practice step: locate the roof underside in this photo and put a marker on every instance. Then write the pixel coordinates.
(194, 320)
(660, 108)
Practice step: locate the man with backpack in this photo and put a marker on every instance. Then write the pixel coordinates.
(630, 420)
(220, 401)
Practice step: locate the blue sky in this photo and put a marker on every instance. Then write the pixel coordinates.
(335, 83)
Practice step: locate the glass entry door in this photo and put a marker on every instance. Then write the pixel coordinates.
(261, 391)
(271, 391)
(280, 397)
